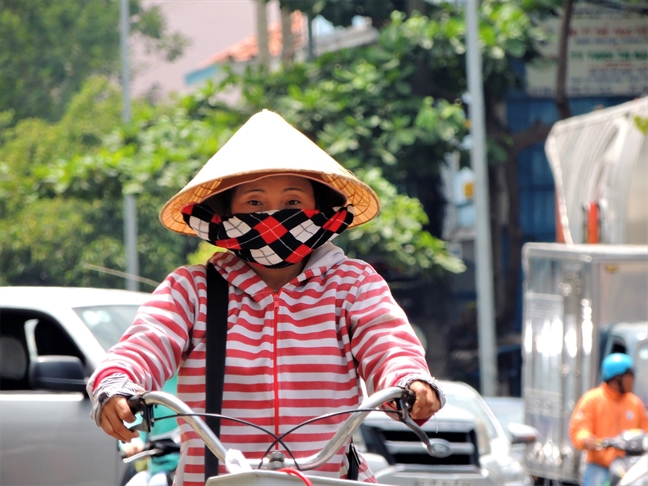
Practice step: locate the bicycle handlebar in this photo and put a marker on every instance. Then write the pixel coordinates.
(139, 403)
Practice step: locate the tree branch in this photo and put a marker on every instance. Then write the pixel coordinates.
(561, 92)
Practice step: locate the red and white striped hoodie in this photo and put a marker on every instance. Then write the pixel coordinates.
(291, 355)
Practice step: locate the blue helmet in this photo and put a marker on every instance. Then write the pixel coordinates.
(615, 364)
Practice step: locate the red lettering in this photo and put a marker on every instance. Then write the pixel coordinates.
(622, 32)
(642, 30)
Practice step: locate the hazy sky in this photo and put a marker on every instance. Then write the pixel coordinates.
(211, 25)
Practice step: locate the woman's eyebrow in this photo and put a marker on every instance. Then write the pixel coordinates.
(252, 189)
(263, 190)
(296, 188)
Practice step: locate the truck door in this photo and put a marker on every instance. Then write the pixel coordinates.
(641, 372)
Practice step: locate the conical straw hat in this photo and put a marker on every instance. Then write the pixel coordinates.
(268, 145)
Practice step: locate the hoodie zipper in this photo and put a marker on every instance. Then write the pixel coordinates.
(275, 370)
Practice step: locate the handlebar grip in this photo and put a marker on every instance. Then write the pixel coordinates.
(410, 399)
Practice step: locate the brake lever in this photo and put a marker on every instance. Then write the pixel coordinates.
(137, 405)
(405, 403)
(404, 406)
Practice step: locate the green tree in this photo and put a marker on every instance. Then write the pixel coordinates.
(48, 238)
(342, 12)
(47, 49)
(367, 106)
(161, 150)
(419, 62)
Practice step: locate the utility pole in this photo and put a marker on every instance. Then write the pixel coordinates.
(483, 256)
(263, 41)
(311, 40)
(287, 36)
(130, 212)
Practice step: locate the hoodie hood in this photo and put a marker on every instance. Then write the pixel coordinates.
(324, 258)
(239, 274)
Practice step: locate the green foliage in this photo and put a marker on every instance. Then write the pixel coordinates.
(396, 237)
(359, 105)
(48, 49)
(360, 109)
(29, 149)
(396, 105)
(50, 241)
(49, 231)
(389, 112)
(342, 12)
(154, 157)
(32, 248)
(424, 56)
(203, 253)
(641, 123)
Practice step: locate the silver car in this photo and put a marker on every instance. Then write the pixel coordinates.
(51, 340)
(498, 454)
(510, 413)
(479, 452)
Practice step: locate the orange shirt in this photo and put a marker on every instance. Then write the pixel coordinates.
(602, 413)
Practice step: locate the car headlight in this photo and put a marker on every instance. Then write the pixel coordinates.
(513, 473)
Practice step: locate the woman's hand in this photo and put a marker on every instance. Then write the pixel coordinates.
(133, 447)
(427, 402)
(113, 415)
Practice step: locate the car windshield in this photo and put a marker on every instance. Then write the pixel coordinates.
(107, 322)
(466, 399)
(508, 410)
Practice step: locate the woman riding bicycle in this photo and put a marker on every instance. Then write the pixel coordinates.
(305, 323)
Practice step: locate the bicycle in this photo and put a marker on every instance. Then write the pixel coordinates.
(275, 468)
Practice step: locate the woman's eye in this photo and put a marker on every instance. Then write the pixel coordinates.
(294, 202)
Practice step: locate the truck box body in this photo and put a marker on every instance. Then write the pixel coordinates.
(600, 166)
(574, 298)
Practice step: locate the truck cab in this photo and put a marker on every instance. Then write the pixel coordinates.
(630, 338)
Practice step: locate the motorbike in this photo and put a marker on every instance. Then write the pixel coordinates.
(160, 446)
(630, 469)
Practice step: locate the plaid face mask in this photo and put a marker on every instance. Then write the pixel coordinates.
(274, 239)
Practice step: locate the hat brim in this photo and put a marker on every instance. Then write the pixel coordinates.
(267, 145)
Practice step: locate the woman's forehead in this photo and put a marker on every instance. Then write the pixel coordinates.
(276, 182)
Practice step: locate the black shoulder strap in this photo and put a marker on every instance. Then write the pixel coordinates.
(216, 343)
(354, 463)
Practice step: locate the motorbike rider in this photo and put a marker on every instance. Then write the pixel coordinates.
(305, 323)
(606, 411)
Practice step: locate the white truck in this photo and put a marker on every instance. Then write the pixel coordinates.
(587, 295)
